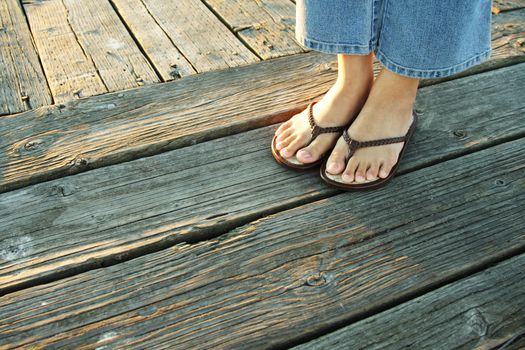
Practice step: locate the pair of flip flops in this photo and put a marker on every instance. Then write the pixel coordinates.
(335, 180)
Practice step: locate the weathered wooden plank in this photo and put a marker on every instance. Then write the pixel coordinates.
(69, 69)
(22, 82)
(159, 47)
(506, 5)
(293, 274)
(266, 26)
(112, 128)
(508, 37)
(88, 133)
(484, 311)
(200, 191)
(85, 48)
(199, 35)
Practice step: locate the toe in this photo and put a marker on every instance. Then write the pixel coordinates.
(284, 126)
(293, 146)
(308, 154)
(283, 135)
(336, 162)
(360, 173)
(282, 144)
(351, 167)
(314, 150)
(373, 172)
(385, 169)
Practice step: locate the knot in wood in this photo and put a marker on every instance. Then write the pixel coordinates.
(80, 162)
(477, 322)
(61, 191)
(520, 44)
(460, 133)
(500, 182)
(315, 280)
(32, 145)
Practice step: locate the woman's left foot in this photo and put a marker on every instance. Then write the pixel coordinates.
(387, 113)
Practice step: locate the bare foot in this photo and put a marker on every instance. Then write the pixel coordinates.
(386, 113)
(338, 107)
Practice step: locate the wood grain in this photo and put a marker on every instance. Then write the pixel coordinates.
(22, 82)
(79, 222)
(483, 311)
(161, 50)
(197, 33)
(85, 48)
(506, 5)
(266, 26)
(293, 274)
(89, 133)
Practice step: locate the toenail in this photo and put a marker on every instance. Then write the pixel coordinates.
(305, 154)
(332, 166)
(346, 178)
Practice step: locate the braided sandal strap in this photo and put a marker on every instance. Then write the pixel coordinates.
(353, 144)
(316, 129)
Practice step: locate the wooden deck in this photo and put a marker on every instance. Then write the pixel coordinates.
(141, 208)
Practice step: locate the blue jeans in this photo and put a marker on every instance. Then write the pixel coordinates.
(415, 38)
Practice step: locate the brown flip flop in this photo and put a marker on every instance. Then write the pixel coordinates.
(335, 180)
(292, 162)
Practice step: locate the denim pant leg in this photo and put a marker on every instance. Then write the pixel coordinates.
(415, 38)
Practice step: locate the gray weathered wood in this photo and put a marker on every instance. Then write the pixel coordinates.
(83, 134)
(112, 128)
(159, 47)
(85, 48)
(87, 133)
(506, 5)
(266, 26)
(484, 311)
(22, 82)
(292, 274)
(199, 35)
(77, 222)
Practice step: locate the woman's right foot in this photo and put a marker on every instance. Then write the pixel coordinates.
(338, 107)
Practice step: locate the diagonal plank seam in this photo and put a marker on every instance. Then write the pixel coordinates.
(134, 37)
(75, 35)
(226, 24)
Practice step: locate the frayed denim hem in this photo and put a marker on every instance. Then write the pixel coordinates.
(431, 73)
(351, 49)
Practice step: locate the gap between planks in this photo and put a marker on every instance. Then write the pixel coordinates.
(87, 133)
(485, 310)
(301, 258)
(174, 197)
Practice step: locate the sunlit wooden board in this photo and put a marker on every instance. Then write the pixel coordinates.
(22, 82)
(85, 48)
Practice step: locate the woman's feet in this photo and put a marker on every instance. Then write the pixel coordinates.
(387, 113)
(338, 107)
